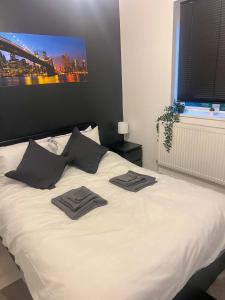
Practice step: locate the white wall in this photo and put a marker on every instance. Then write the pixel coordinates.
(147, 41)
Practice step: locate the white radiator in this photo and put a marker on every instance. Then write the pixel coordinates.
(197, 150)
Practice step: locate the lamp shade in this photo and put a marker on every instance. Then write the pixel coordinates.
(123, 128)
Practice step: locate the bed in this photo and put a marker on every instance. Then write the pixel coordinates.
(141, 246)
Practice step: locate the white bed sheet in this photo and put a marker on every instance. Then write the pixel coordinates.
(141, 246)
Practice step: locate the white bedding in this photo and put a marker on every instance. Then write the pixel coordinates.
(142, 246)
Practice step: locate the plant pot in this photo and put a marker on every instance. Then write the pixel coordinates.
(180, 109)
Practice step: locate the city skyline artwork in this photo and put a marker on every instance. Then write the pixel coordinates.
(33, 59)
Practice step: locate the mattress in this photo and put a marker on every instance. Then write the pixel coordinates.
(141, 246)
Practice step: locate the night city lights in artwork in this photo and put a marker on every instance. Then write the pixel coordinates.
(28, 59)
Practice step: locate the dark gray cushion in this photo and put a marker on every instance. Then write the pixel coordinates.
(39, 168)
(83, 152)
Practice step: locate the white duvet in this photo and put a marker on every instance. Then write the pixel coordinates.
(141, 246)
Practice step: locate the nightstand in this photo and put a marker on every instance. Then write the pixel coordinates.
(130, 151)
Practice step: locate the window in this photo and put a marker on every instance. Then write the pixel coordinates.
(202, 52)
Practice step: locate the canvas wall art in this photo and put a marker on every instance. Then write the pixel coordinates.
(32, 59)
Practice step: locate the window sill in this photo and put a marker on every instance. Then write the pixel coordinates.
(200, 114)
(203, 118)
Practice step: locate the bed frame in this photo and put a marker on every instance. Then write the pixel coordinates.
(197, 286)
(51, 133)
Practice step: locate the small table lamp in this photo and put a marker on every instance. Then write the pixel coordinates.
(123, 127)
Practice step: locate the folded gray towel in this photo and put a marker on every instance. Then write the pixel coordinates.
(129, 179)
(78, 202)
(74, 199)
(133, 181)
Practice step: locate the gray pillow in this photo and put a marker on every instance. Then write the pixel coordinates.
(83, 152)
(39, 168)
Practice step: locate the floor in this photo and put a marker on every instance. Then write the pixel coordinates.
(12, 287)
(191, 179)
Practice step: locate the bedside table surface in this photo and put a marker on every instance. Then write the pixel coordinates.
(125, 147)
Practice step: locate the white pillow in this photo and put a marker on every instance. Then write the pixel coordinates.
(61, 140)
(11, 156)
(92, 134)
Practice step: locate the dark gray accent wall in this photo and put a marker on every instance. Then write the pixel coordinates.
(26, 110)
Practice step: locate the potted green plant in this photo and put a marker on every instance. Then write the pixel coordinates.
(167, 119)
(180, 106)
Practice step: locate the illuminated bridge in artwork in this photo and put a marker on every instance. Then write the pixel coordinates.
(8, 46)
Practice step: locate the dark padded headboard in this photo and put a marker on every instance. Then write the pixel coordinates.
(48, 133)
